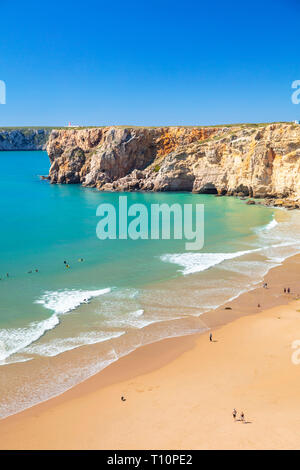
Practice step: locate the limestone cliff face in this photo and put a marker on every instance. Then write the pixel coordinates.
(24, 139)
(258, 161)
(102, 156)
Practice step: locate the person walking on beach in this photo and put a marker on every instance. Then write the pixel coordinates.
(284, 290)
(289, 290)
(234, 413)
(242, 417)
(210, 337)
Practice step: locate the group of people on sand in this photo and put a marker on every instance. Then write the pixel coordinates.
(286, 290)
(242, 416)
(234, 413)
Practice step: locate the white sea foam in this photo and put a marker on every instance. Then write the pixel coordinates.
(13, 340)
(26, 397)
(271, 225)
(133, 319)
(268, 227)
(197, 262)
(251, 269)
(61, 345)
(137, 313)
(62, 302)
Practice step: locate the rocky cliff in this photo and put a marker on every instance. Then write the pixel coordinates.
(259, 161)
(24, 139)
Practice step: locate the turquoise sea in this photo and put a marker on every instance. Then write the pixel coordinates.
(60, 325)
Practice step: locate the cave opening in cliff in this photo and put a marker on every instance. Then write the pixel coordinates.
(208, 188)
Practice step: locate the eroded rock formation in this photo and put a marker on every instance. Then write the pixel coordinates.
(259, 161)
(24, 139)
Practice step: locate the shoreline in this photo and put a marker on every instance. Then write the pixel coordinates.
(176, 308)
(142, 362)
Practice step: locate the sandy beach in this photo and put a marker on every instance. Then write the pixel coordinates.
(150, 237)
(180, 392)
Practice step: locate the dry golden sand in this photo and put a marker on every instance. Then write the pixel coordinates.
(180, 392)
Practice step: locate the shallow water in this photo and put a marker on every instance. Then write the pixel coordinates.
(124, 293)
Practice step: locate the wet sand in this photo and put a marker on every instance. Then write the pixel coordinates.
(180, 392)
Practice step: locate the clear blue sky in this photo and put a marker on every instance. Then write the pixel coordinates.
(149, 62)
